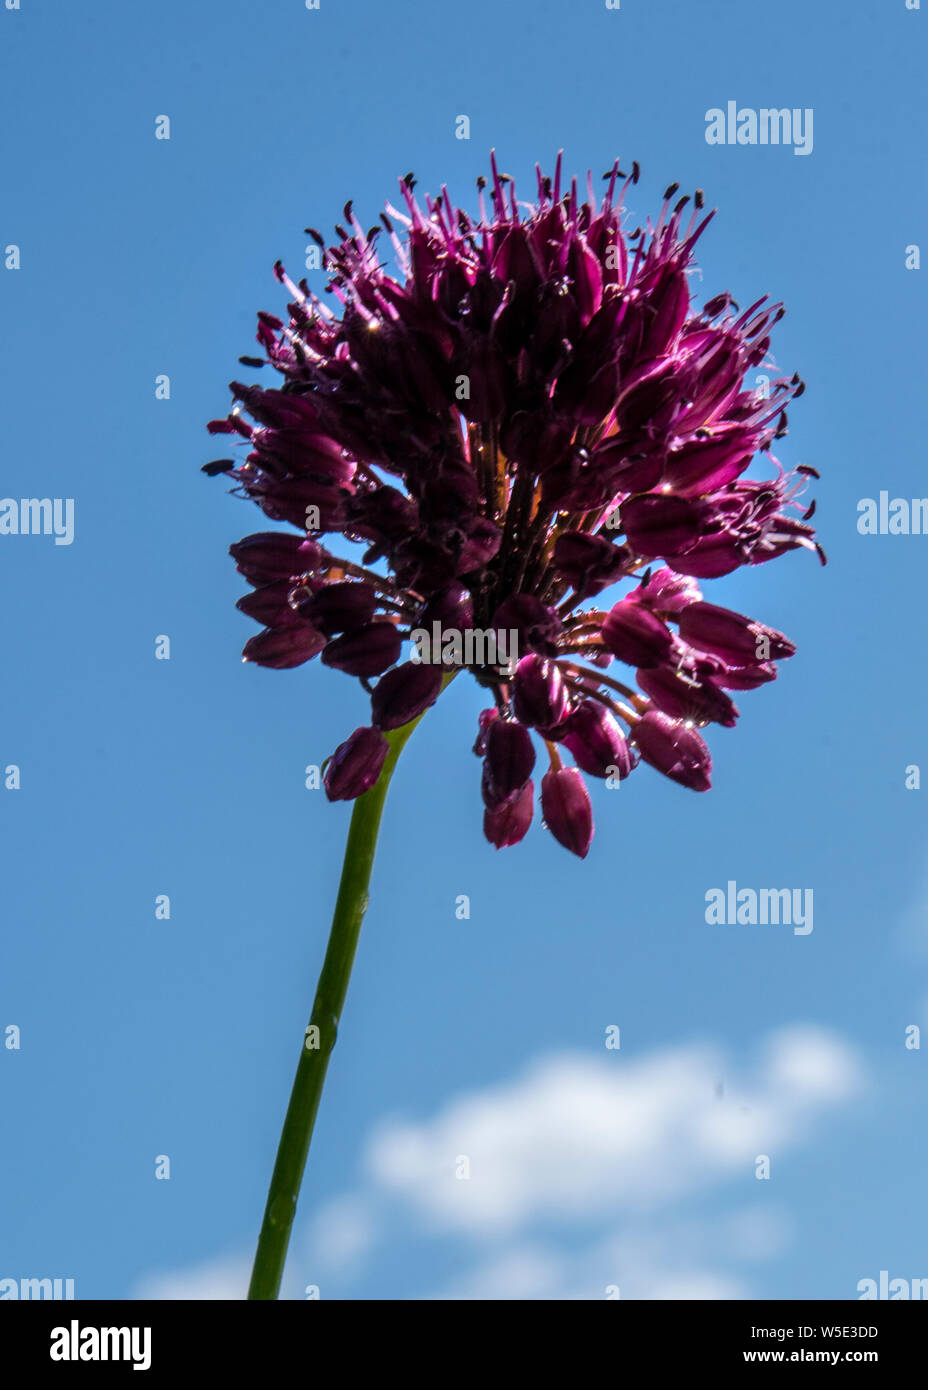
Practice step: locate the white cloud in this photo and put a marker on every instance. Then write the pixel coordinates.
(342, 1233)
(578, 1168)
(579, 1136)
(659, 1259)
(223, 1278)
(522, 1272)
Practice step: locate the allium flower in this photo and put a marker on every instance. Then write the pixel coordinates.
(532, 411)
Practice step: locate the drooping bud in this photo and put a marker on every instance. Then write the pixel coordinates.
(355, 765)
(509, 761)
(340, 607)
(486, 718)
(597, 742)
(540, 696)
(404, 693)
(675, 749)
(565, 805)
(367, 652)
(508, 823)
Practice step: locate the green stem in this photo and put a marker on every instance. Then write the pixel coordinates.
(320, 1036)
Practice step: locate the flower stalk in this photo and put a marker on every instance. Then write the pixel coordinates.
(319, 1040)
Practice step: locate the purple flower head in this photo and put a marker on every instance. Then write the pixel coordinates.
(487, 421)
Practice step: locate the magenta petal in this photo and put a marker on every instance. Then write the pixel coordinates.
(355, 765)
(283, 647)
(568, 813)
(508, 823)
(675, 749)
(404, 693)
(367, 652)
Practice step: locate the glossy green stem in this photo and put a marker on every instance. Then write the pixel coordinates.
(322, 1031)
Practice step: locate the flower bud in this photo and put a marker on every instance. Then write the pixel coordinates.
(669, 304)
(537, 626)
(485, 719)
(270, 555)
(270, 605)
(667, 592)
(340, 607)
(366, 652)
(507, 823)
(675, 749)
(736, 639)
(540, 696)
(283, 647)
(661, 524)
(509, 761)
(565, 805)
(635, 635)
(597, 742)
(746, 677)
(452, 606)
(589, 563)
(701, 700)
(705, 465)
(355, 765)
(404, 693)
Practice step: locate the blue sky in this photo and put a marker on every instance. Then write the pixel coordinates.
(590, 1168)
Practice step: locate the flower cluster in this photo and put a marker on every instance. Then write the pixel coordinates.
(530, 411)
